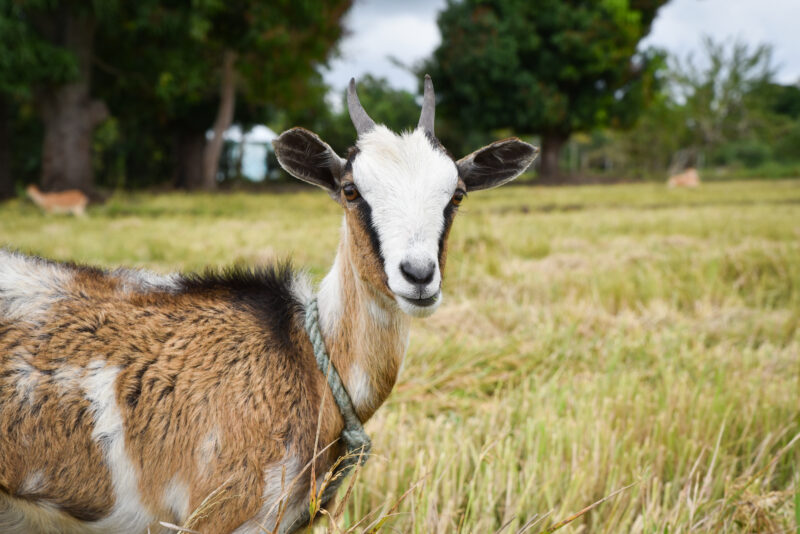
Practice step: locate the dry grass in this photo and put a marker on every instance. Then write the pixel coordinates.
(591, 339)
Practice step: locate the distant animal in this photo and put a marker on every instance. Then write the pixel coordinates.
(70, 201)
(688, 178)
(128, 398)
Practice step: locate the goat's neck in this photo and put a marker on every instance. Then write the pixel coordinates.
(365, 332)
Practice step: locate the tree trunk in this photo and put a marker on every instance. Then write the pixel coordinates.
(552, 143)
(227, 101)
(189, 148)
(70, 116)
(6, 180)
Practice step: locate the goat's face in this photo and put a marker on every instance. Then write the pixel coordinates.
(400, 194)
(399, 191)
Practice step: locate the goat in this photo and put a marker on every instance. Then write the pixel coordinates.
(71, 201)
(127, 398)
(688, 178)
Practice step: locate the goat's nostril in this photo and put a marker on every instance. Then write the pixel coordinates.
(419, 274)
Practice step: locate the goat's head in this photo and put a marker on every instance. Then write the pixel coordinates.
(400, 194)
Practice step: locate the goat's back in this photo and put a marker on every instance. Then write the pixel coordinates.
(127, 397)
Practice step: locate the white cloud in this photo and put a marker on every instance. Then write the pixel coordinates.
(681, 24)
(380, 30)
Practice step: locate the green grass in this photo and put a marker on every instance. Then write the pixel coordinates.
(591, 338)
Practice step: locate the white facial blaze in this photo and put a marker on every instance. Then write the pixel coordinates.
(407, 183)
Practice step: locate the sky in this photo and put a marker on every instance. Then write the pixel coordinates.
(407, 31)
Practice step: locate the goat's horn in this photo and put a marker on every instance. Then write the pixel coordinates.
(428, 107)
(360, 119)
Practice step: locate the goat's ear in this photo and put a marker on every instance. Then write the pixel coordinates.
(496, 164)
(307, 157)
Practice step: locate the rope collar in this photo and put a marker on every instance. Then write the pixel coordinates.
(356, 441)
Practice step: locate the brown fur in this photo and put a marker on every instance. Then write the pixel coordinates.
(358, 340)
(70, 201)
(192, 365)
(688, 178)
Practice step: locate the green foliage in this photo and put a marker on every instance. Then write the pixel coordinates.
(719, 109)
(27, 59)
(716, 93)
(278, 47)
(749, 152)
(786, 146)
(548, 66)
(170, 88)
(553, 68)
(156, 64)
(779, 99)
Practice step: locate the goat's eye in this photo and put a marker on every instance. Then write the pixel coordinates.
(350, 191)
(458, 196)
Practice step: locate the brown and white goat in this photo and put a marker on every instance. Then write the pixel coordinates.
(127, 398)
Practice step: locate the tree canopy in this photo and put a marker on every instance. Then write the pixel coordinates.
(550, 67)
(167, 73)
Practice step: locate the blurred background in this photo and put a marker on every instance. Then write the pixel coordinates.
(100, 96)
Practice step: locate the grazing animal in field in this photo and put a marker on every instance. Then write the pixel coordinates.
(70, 201)
(688, 178)
(128, 398)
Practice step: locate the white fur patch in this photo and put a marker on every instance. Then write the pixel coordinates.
(34, 483)
(176, 499)
(330, 298)
(281, 483)
(29, 286)
(67, 377)
(359, 386)
(407, 183)
(140, 281)
(26, 376)
(378, 314)
(128, 513)
(301, 288)
(208, 452)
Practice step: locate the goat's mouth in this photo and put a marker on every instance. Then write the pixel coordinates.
(423, 303)
(422, 307)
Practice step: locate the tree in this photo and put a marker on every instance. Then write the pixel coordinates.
(52, 63)
(549, 67)
(781, 113)
(34, 63)
(651, 146)
(167, 71)
(200, 59)
(6, 178)
(716, 90)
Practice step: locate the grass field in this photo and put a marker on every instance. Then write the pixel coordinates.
(591, 339)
